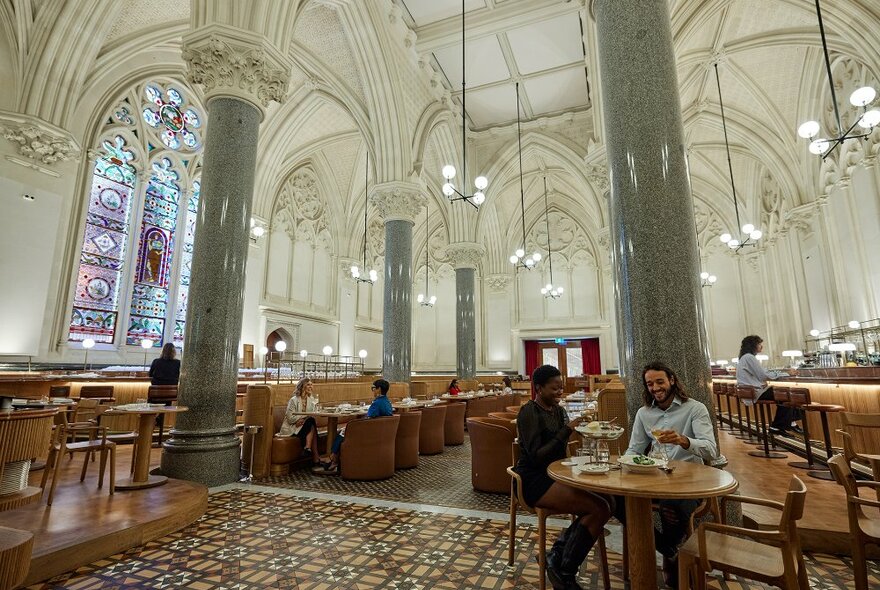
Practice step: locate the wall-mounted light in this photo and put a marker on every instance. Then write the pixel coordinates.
(362, 354)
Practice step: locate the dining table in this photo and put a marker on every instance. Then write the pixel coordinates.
(147, 413)
(687, 480)
(333, 416)
(416, 404)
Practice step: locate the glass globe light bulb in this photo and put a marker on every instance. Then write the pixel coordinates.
(748, 228)
(258, 231)
(481, 182)
(433, 299)
(513, 259)
(554, 293)
(479, 197)
(543, 290)
(146, 343)
(529, 262)
(548, 286)
(354, 270)
(303, 353)
(327, 350)
(725, 238)
(733, 243)
(814, 332)
(264, 350)
(362, 353)
(448, 171)
(374, 276)
(281, 346)
(420, 298)
(88, 343)
(853, 324)
(809, 129)
(520, 252)
(560, 290)
(818, 146)
(712, 278)
(862, 96)
(536, 256)
(448, 189)
(756, 235)
(704, 275)
(870, 119)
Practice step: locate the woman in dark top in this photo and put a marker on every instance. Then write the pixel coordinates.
(453, 388)
(165, 370)
(544, 430)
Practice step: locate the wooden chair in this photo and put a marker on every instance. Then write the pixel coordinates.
(862, 528)
(59, 391)
(60, 446)
(857, 432)
(770, 556)
(97, 391)
(517, 501)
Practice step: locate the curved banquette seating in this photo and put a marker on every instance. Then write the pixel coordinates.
(368, 451)
(406, 443)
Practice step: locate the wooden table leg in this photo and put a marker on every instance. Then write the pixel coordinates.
(141, 477)
(640, 537)
(332, 421)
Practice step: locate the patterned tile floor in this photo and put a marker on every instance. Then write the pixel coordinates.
(256, 538)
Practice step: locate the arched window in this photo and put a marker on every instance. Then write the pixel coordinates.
(140, 276)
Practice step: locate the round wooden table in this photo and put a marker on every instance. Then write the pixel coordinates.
(688, 481)
(333, 420)
(147, 414)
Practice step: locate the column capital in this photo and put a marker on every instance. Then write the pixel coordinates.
(465, 254)
(38, 140)
(399, 201)
(228, 61)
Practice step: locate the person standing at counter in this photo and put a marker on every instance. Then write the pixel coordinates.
(165, 370)
(750, 373)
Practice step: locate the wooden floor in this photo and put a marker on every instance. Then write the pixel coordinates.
(824, 525)
(85, 524)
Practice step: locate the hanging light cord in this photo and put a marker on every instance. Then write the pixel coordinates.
(547, 219)
(366, 202)
(727, 146)
(463, 108)
(522, 195)
(828, 68)
(426, 251)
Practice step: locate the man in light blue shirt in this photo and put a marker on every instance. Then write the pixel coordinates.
(684, 427)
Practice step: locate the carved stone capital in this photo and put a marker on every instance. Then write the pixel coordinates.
(598, 177)
(465, 254)
(228, 61)
(38, 140)
(498, 283)
(399, 201)
(801, 217)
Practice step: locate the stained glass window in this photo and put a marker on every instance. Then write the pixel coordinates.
(168, 113)
(102, 257)
(186, 250)
(149, 298)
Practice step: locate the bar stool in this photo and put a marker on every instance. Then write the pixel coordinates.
(797, 398)
(762, 408)
(823, 410)
(744, 394)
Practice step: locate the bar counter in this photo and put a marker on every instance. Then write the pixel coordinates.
(857, 389)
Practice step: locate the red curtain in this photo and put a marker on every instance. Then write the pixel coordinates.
(533, 359)
(590, 356)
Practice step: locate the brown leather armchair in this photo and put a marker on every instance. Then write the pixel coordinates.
(480, 407)
(406, 443)
(368, 450)
(503, 415)
(431, 430)
(491, 441)
(453, 424)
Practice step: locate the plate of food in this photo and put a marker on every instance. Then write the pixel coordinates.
(593, 468)
(600, 429)
(641, 463)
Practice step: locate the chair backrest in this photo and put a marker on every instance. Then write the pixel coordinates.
(716, 387)
(86, 409)
(59, 391)
(793, 510)
(368, 452)
(744, 392)
(781, 394)
(612, 404)
(90, 391)
(844, 476)
(799, 395)
(162, 393)
(515, 479)
(503, 415)
(860, 430)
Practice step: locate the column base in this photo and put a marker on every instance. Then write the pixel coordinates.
(211, 458)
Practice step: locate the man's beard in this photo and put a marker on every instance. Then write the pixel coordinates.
(667, 393)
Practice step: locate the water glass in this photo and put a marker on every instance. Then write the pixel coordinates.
(142, 402)
(602, 455)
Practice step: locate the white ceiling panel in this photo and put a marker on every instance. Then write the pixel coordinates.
(425, 12)
(488, 106)
(485, 63)
(547, 44)
(558, 91)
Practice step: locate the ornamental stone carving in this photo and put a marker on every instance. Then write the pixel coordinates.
(399, 201)
(465, 254)
(37, 140)
(598, 177)
(230, 62)
(498, 283)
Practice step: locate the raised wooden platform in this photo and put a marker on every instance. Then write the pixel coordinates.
(85, 524)
(824, 525)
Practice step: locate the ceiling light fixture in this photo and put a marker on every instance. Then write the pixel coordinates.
(372, 275)
(707, 280)
(448, 171)
(519, 257)
(861, 97)
(424, 299)
(548, 290)
(750, 233)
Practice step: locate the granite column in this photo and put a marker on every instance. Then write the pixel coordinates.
(465, 257)
(660, 310)
(240, 77)
(399, 203)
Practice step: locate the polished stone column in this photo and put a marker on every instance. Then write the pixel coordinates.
(660, 310)
(203, 445)
(465, 257)
(399, 203)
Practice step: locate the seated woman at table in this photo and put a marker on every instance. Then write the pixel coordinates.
(381, 406)
(684, 428)
(165, 370)
(303, 427)
(508, 388)
(453, 388)
(544, 430)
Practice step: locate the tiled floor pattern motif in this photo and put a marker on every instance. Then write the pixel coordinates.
(439, 480)
(254, 540)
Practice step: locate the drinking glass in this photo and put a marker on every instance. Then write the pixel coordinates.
(602, 455)
(142, 402)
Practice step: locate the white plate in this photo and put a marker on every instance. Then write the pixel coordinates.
(627, 462)
(594, 469)
(568, 463)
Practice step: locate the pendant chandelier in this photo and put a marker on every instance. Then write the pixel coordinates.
(519, 257)
(861, 97)
(750, 234)
(707, 280)
(423, 298)
(372, 275)
(448, 171)
(548, 290)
